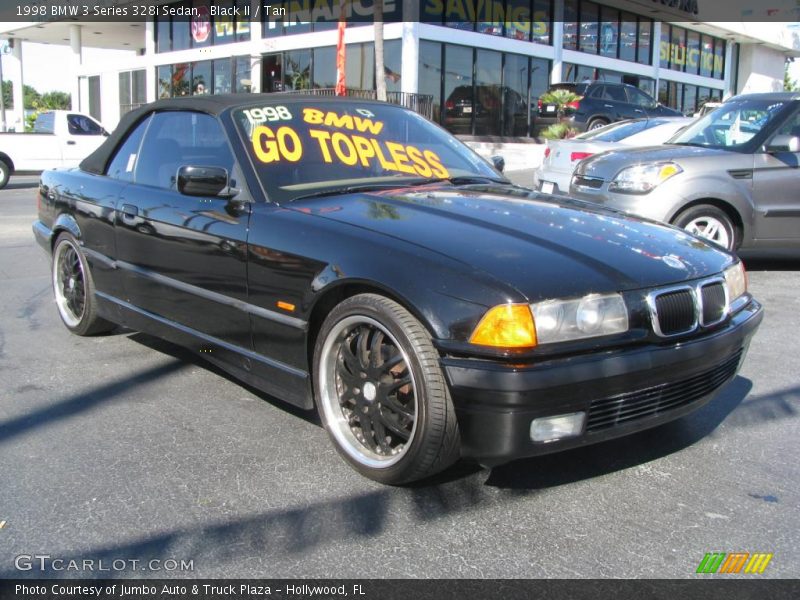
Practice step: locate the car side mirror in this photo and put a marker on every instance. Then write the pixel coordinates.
(784, 143)
(202, 181)
(499, 163)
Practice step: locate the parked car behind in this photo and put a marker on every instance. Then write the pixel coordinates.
(562, 156)
(60, 138)
(732, 176)
(602, 103)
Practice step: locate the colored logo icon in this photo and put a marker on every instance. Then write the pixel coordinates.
(734, 562)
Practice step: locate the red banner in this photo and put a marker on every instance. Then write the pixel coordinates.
(341, 90)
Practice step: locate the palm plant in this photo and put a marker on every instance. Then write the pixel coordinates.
(564, 101)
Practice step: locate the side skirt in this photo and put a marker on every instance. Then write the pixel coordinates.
(270, 376)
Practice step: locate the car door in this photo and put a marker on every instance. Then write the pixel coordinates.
(83, 136)
(642, 104)
(184, 258)
(776, 181)
(616, 102)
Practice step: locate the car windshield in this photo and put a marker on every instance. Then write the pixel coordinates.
(730, 126)
(309, 148)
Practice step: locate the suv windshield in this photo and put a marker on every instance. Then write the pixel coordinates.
(732, 125)
(314, 147)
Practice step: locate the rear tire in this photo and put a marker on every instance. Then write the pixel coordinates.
(73, 288)
(596, 124)
(5, 173)
(710, 223)
(381, 393)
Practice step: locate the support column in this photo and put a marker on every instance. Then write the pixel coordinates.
(150, 79)
(15, 119)
(409, 70)
(75, 64)
(255, 53)
(558, 43)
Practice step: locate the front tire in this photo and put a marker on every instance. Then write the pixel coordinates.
(73, 288)
(381, 393)
(596, 124)
(711, 223)
(5, 173)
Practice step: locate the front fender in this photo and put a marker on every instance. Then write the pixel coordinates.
(737, 193)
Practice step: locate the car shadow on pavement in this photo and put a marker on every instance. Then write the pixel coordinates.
(16, 184)
(294, 530)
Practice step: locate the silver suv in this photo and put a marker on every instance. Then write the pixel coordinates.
(732, 177)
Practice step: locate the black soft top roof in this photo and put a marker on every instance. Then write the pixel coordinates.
(97, 161)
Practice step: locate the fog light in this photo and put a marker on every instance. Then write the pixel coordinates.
(550, 429)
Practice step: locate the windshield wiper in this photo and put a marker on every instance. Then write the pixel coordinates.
(350, 189)
(694, 144)
(461, 180)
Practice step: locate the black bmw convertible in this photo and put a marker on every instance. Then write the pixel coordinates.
(352, 256)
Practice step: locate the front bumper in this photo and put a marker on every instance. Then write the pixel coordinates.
(621, 391)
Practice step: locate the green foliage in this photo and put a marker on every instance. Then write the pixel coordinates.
(789, 84)
(561, 98)
(559, 131)
(8, 94)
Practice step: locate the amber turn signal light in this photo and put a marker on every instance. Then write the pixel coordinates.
(506, 326)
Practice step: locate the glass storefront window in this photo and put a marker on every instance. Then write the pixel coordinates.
(164, 76)
(272, 69)
(392, 63)
(222, 76)
(518, 19)
(587, 36)
(689, 105)
(628, 27)
(181, 82)
(719, 59)
(244, 82)
(644, 45)
(570, 24)
(541, 27)
(692, 52)
(201, 78)
(297, 70)
(665, 46)
(360, 66)
(677, 58)
(609, 31)
(430, 74)
(458, 105)
(324, 67)
(516, 103)
(488, 92)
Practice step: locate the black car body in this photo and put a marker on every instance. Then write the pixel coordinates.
(602, 103)
(403, 305)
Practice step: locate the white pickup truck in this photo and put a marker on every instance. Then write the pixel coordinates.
(60, 138)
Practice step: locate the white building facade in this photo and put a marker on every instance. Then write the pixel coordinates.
(500, 60)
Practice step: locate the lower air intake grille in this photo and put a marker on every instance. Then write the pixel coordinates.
(649, 402)
(675, 312)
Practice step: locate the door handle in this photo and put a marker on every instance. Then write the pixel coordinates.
(609, 105)
(70, 142)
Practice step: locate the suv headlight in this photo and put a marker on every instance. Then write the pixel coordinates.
(591, 316)
(642, 179)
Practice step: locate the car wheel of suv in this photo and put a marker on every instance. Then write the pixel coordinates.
(5, 173)
(381, 393)
(74, 289)
(711, 223)
(596, 124)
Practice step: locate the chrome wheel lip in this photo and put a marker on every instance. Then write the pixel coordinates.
(61, 254)
(334, 417)
(718, 233)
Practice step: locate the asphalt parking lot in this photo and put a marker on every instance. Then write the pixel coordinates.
(123, 447)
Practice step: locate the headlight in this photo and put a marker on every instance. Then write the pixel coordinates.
(641, 179)
(736, 279)
(590, 316)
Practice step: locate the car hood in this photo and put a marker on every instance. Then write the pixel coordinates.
(607, 165)
(543, 246)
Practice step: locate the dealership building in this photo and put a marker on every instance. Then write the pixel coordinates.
(499, 57)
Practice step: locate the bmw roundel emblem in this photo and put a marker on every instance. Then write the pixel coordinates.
(673, 261)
